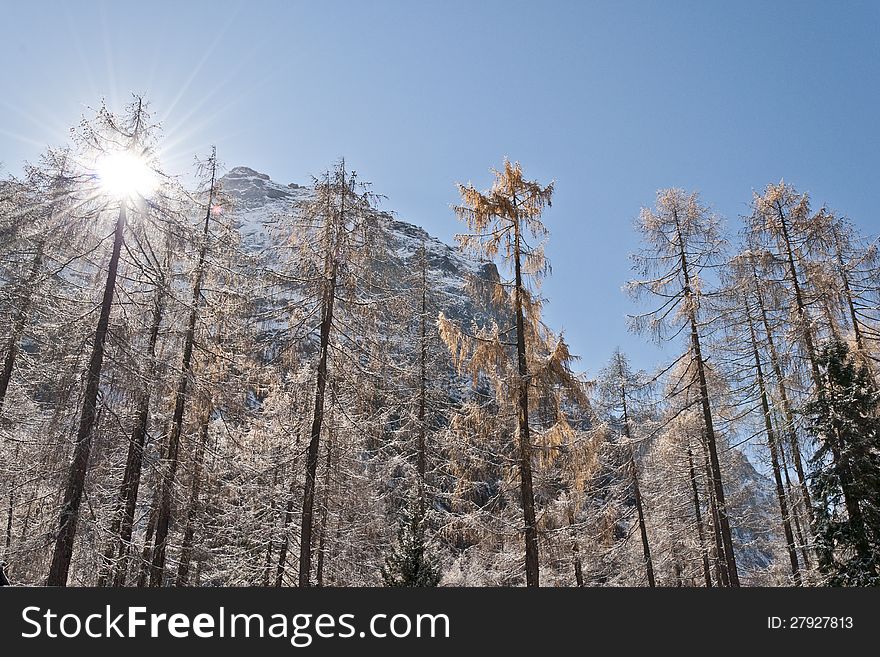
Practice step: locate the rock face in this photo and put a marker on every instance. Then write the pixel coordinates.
(455, 278)
(253, 189)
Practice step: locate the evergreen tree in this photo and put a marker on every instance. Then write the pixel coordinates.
(412, 562)
(846, 470)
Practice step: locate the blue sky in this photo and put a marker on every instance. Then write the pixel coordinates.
(613, 100)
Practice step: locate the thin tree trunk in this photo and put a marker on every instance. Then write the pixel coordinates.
(287, 519)
(63, 552)
(806, 332)
(774, 456)
(267, 564)
(850, 501)
(715, 467)
(676, 568)
(186, 548)
(325, 507)
(575, 550)
(11, 504)
(14, 343)
(698, 513)
(525, 441)
(285, 538)
(643, 529)
(163, 519)
(308, 506)
(792, 497)
(783, 397)
(147, 550)
(117, 554)
(26, 522)
(721, 573)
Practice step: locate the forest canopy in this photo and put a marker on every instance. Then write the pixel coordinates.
(218, 380)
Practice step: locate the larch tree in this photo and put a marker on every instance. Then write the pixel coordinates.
(116, 555)
(121, 150)
(769, 298)
(620, 393)
(681, 239)
(32, 216)
(747, 365)
(333, 242)
(781, 222)
(408, 458)
(163, 511)
(520, 356)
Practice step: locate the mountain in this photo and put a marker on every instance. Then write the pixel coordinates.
(456, 280)
(259, 201)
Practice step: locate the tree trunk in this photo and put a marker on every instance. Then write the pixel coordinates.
(783, 397)
(186, 548)
(147, 549)
(63, 552)
(850, 501)
(308, 506)
(806, 332)
(14, 344)
(117, 555)
(795, 515)
(270, 546)
(715, 467)
(721, 575)
(575, 550)
(525, 442)
(11, 505)
(325, 508)
(707, 575)
(643, 529)
(774, 456)
(286, 520)
(163, 519)
(676, 568)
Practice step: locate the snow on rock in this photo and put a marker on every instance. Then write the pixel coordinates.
(259, 202)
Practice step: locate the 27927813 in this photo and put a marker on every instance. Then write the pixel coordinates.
(810, 623)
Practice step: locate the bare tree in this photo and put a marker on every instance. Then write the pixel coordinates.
(681, 239)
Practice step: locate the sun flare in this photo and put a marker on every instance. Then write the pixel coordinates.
(125, 175)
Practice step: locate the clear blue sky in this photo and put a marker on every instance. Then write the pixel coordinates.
(613, 100)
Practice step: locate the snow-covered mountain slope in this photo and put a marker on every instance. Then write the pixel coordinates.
(259, 202)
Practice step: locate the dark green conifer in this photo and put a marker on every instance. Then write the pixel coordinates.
(843, 418)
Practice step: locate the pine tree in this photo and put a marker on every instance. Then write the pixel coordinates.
(843, 418)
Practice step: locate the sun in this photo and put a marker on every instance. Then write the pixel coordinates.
(125, 175)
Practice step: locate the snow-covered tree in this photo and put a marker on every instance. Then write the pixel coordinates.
(843, 418)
